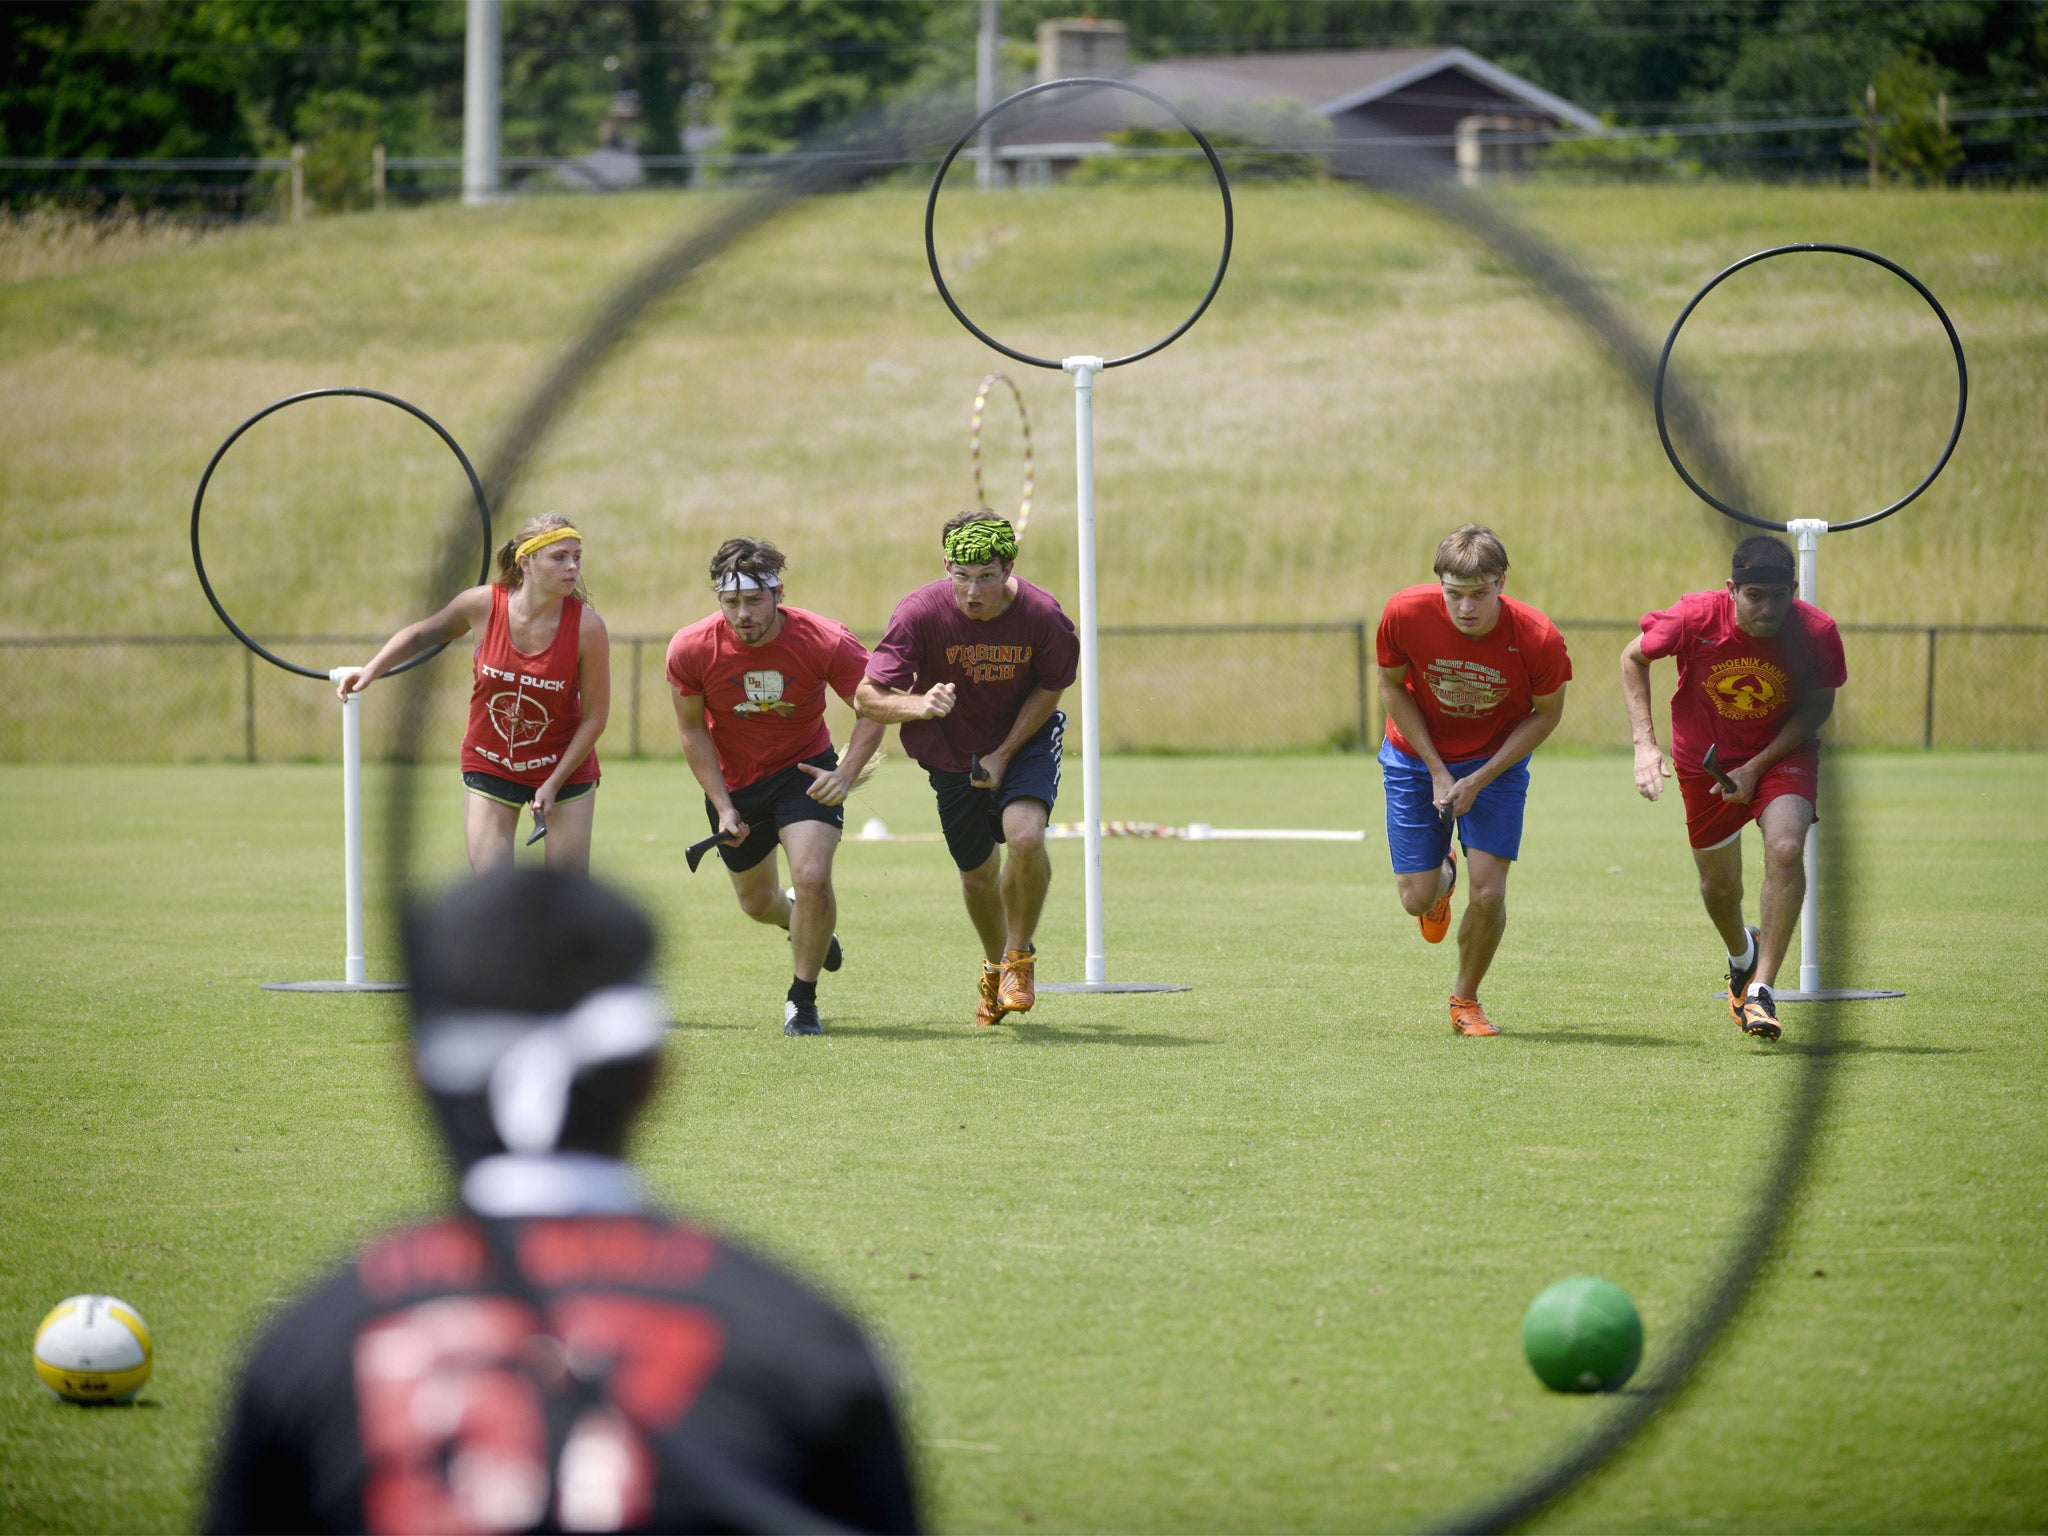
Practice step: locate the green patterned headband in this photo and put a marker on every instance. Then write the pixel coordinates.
(983, 540)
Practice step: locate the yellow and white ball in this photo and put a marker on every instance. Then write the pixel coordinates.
(93, 1349)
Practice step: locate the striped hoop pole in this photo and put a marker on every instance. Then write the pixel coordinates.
(981, 395)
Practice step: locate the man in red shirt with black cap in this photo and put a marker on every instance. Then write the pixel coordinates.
(1757, 674)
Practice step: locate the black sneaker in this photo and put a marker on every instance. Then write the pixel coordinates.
(1739, 979)
(834, 955)
(800, 1019)
(1760, 1014)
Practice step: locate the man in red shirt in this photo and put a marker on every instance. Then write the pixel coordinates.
(1473, 682)
(1757, 674)
(749, 685)
(972, 667)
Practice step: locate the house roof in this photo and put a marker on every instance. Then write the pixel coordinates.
(1328, 82)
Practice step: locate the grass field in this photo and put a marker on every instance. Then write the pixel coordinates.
(1249, 1257)
(1365, 380)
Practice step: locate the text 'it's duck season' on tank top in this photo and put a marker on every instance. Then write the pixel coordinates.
(524, 709)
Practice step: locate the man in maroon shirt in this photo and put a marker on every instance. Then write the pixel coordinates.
(1757, 674)
(972, 667)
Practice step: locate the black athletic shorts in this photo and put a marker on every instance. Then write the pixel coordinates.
(505, 792)
(769, 804)
(973, 818)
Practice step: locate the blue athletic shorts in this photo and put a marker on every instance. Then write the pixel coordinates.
(1416, 835)
(972, 819)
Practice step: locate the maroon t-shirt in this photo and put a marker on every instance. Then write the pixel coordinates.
(993, 663)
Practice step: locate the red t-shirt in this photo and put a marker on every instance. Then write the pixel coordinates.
(1734, 689)
(993, 664)
(523, 710)
(765, 704)
(1472, 693)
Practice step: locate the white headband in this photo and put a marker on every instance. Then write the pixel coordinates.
(740, 581)
(529, 1064)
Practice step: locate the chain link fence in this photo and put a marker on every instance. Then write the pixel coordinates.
(1177, 688)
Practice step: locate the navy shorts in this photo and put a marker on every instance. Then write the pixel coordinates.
(767, 805)
(1416, 835)
(506, 792)
(973, 818)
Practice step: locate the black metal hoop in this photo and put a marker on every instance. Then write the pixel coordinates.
(931, 203)
(199, 500)
(1955, 342)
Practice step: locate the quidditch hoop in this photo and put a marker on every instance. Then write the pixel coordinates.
(199, 500)
(931, 251)
(1954, 341)
(974, 446)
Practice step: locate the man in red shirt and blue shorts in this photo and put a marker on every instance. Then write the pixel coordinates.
(972, 668)
(1473, 682)
(749, 685)
(1757, 674)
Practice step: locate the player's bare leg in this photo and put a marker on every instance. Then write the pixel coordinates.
(982, 889)
(1027, 876)
(487, 828)
(1422, 889)
(1485, 920)
(1783, 823)
(760, 893)
(1721, 891)
(567, 844)
(809, 846)
(1027, 872)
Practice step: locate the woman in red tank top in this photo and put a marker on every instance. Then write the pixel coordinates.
(539, 701)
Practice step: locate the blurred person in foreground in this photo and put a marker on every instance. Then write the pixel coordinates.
(1757, 673)
(553, 1355)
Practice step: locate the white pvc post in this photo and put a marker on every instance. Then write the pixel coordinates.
(1084, 370)
(987, 70)
(353, 969)
(1806, 532)
(482, 67)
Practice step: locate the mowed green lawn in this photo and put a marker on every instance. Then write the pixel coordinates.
(1249, 1257)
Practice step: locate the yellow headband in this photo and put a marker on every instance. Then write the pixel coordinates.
(543, 540)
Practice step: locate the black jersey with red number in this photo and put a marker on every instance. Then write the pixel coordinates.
(393, 1396)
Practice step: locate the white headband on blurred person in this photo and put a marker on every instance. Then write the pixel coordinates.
(740, 581)
(528, 1063)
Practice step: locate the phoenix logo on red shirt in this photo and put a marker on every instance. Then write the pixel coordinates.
(1747, 689)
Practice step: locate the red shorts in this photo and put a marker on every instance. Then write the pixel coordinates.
(1711, 821)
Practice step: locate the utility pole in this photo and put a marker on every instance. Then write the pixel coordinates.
(483, 64)
(987, 68)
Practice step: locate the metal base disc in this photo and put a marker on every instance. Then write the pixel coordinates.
(337, 986)
(1112, 986)
(1824, 995)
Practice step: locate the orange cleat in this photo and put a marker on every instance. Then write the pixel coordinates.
(1017, 993)
(1760, 1014)
(990, 1008)
(1739, 979)
(1468, 1018)
(1436, 922)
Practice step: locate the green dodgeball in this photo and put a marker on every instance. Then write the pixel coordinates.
(1583, 1335)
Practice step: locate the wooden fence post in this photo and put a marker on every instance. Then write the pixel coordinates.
(298, 182)
(377, 176)
(1870, 130)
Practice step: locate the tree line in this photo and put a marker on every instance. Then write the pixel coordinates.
(228, 79)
